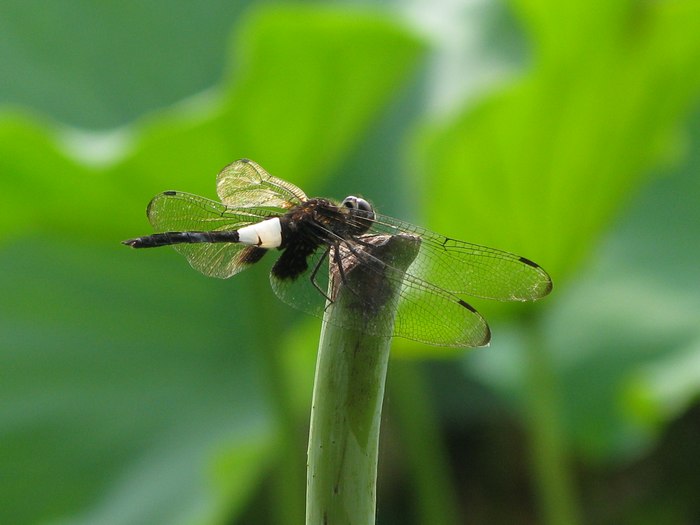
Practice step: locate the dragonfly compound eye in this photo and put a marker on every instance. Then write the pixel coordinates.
(357, 203)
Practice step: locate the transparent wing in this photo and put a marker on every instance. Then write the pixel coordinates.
(178, 211)
(424, 312)
(302, 293)
(463, 268)
(244, 183)
(432, 315)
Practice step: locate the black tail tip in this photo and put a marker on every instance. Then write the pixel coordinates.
(131, 242)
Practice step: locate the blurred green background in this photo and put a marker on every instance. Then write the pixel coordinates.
(133, 390)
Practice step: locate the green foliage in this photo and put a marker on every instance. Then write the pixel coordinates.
(542, 167)
(127, 387)
(106, 64)
(133, 390)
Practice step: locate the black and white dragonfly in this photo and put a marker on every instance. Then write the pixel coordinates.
(259, 213)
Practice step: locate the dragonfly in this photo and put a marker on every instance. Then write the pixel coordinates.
(259, 213)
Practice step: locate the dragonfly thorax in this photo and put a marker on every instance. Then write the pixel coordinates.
(326, 221)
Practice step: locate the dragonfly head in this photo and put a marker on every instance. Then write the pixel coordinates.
(361, 211)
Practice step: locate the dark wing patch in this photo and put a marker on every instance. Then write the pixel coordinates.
(252, 254)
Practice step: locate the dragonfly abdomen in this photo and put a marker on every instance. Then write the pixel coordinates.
(265, 234)
(168, 238)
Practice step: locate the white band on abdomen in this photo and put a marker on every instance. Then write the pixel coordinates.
(265, 234)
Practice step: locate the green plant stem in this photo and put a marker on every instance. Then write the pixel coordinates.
(348, 395)
(435, 499)
(550, 461)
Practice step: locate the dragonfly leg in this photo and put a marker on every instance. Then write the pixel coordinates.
(361, 242)
(315, 272)
(339, 263)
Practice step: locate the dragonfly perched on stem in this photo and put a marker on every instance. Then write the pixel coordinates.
(259, 213)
